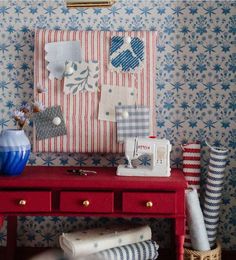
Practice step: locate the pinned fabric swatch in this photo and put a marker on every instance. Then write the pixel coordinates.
(126, 53)
(49, 123)
(112, 96)
(58, 53)
(132, 121)
(81, 76)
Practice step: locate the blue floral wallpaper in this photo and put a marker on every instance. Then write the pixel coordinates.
(196, 89)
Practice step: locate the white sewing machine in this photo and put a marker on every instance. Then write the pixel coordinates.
(146, 157)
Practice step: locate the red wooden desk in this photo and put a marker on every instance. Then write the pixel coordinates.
(52, 191)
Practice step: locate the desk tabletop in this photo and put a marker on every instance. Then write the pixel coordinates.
(52, 177)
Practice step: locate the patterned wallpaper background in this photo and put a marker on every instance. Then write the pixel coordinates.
(196, 92)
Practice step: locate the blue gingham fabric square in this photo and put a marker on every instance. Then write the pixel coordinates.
(132, 121)
(126, 53)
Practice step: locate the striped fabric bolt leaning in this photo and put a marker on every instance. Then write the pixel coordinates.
(191, 169)
(132, 121)
(146, 250)
(213, 191)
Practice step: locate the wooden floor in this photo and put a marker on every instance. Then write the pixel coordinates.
(24, 253)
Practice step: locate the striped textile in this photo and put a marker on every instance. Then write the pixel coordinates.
(85, 133)
(146, 250)
(213, 191)
(191, 169)
(135, 125)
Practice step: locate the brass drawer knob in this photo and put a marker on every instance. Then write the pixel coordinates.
(22, 202)
(86, 203)
(149, 204)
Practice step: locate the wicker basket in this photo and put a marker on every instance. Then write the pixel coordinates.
(214, 254)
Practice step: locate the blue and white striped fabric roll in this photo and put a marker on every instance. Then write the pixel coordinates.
(213, 191)
(146, 250)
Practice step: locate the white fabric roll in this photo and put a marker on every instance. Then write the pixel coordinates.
(146, 250)
(82, 243)
(196, 223)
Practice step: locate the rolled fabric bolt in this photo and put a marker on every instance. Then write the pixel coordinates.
(144, 250)
(192, 170)
(192, 165)
(69, 69)
(213, 191)
(79, 243)
(197, 228)
(56, 120)
(125, 114)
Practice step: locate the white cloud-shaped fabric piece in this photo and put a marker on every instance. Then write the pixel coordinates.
(58, 53)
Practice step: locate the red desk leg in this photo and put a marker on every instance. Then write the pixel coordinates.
(1, 221)
(11, 237)
(179, 237)
(180, 247)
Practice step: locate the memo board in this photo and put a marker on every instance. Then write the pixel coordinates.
(85, 133)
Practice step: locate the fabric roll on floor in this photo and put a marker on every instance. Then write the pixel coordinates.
(213, 191)
(146, 250)
(197, 228)
(87, 242)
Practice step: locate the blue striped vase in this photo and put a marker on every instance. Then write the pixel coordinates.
(14, 152)
(213, 191)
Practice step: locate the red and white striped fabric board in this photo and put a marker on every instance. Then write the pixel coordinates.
(192, 171)
(85, 133)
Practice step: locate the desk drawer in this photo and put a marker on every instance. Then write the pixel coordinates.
(25, 201)
(148, 202)
(86, 201)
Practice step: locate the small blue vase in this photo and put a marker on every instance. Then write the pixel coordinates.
(14, 152)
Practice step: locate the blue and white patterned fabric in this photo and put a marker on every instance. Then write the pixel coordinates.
(132, 121)
(81, 76)
(213, 192)
(146, 250)
(126, 53)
